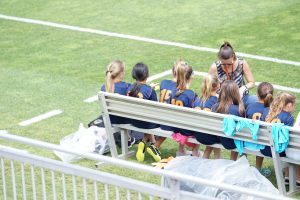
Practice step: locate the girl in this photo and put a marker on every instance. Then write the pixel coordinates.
(230, 67)
(229, 103)
(167, 87)
(210, 86)
(279, 112)
(115, 72)
(255, 110)
(139, 89)
(184, 97)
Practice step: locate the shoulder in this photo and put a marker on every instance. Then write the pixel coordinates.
(213, 68)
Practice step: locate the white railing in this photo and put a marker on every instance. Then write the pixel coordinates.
(27, 176)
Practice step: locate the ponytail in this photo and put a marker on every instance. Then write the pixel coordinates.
(109, 84)
(209, 83)
(184, 74)
(265, 93)
(279, 103)
(135, 90)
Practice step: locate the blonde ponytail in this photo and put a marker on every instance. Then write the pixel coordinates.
(209, 83)
(184, 73)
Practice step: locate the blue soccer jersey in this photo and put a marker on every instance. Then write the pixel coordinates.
(228, 143)
(185, 99)
(148, 93)
(167, 87)
(255, 110)
(283, 117)
(120, 88)
(205, 105)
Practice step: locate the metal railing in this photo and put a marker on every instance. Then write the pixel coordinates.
(28, 176)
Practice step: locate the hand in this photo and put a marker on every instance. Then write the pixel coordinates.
(154, 85)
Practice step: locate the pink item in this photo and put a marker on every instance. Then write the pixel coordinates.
(182, 139)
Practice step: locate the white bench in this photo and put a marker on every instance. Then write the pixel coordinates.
(191, 119)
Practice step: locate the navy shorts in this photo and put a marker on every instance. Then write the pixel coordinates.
(183, 131)
(142, 124)
(267, 152)
(207, 139)
(118, 120)
(227, 143)
(167, 128)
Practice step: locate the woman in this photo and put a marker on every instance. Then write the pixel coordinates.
(230, 67)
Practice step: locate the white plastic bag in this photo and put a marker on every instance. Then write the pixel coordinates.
(238, 173)
(85, 140)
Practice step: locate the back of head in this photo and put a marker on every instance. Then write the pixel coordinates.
(265, 92)
(184, 74)
(277, 106)
(226, 51)
(229, 94)
(209, 84)
(140, 73)
(178, 63)
(114, 70)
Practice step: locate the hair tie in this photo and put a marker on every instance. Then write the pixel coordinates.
(108, 71)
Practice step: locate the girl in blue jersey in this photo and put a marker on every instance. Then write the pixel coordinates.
(229, 103)
(139, 89)
(279, 112)
(184, 97)
(167, 87)
(255, 110)
(210, 86)
(113, 83)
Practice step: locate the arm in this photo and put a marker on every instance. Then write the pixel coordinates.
(213, 69)
(248, 75)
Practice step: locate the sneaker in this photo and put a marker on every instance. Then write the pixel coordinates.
(154, 152)
(265, 172)
(131, 142)
(140, 154)
(286, 180)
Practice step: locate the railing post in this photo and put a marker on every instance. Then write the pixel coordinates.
(175, 189)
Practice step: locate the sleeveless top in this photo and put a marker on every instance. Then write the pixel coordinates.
(237, 75)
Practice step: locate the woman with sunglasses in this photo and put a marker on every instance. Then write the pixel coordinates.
(230, 67)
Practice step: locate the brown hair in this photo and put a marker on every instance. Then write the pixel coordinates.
(209, 83)
(265, 93)
(226, 51)
(281, 100)
(177, 63)
(229, 94)
(113, 70)
(184, 73)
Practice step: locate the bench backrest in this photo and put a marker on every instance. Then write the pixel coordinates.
(187, 118)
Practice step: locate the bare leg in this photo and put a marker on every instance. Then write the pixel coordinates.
(207, 152)
(159, 141)
(152, 138)
(217, 153)
(196, 150)
(233, 155)
(298, 173)
(181, 148)
(259, 162)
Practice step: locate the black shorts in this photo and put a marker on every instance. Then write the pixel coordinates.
(206, 139)
(267, 152)
(227, 143)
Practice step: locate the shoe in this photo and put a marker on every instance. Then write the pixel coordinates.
(131, 142)
(286, 180)
(140, 154)
(154, 152)
(265, 172)
(178, 153)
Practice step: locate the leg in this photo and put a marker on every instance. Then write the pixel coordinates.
(259, 162)
(159, 141)
(217, 153)
(233, 155)
(196, 150)
(207, 151)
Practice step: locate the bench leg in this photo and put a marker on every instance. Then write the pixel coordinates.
(292, 179)
(124, 141)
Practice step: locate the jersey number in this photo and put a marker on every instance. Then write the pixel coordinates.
(165, 95)
(176, 102)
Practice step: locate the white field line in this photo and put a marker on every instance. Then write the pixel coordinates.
(144, 39)
(151, 78)
(40, 117)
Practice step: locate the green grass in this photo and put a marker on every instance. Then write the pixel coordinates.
(44, 68)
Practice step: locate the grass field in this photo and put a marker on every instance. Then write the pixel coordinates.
(44, 68)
